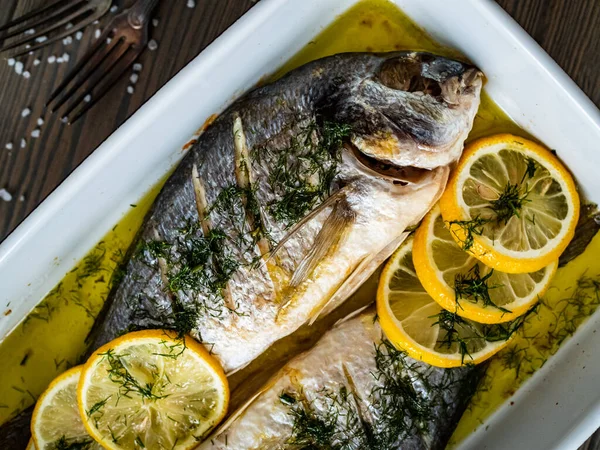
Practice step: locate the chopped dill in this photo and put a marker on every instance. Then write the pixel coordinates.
(469, 336)
(65, 444)
(475, 288)
(449, 321)
(303, 171)
(128, 384)
(91, 264)
(510, 202)
(530, 170)
(471, 228)
(340, 421)
(97, 407)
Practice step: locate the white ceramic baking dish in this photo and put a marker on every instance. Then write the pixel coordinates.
(522, 79)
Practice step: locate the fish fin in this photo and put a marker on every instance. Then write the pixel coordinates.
(352, 315)
(362, 271)
(328, 237)
(333, 199)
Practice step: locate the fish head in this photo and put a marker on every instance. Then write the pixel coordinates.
(412, 109)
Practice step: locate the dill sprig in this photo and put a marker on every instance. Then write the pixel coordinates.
(128, 384)
(475, 288)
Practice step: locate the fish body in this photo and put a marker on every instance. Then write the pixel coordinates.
(292, 198)
(353, 390)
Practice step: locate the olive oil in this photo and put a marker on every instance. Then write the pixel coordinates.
(52, 337)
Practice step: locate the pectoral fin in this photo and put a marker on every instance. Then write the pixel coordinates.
(329, 236)
(358, 276)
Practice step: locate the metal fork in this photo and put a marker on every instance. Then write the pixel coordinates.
(46, 19)
(114, 52)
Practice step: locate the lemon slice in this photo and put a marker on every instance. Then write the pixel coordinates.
(511, 204)
(417, 324)
(462, 284)
(148, 389)
(56, 422)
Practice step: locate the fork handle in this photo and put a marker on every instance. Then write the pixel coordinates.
(140, 12)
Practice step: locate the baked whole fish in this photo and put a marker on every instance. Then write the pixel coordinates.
(291, 199)
(353, 390)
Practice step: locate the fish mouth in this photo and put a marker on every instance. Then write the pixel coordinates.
(388, 171)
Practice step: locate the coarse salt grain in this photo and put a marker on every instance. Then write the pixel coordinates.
(25, 112)
(137, 67)
(191, 4)
(154, 22)
(9, 146)
(64, 119)
(11, 62)
(22, 198)
(35, 133)
(26, 74)
(5, 195)
(19, 67)
(114, 8)
(59, 60)
(152, 45)
(68, 26)
(41, 39)
(79, 35)
(51, 59)
(36, 62)
(87, 98)
(30, 31)
(23, 143)
(130, 89)
(134, 78)
(40, 121)
(68, 40)
(108, 40)
(97, 34)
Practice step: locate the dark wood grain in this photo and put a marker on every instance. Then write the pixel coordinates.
(568, 30)
(34, 171)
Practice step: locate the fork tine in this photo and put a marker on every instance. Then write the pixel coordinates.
(53, 26)
(42, 20)
(88, 68)
(78, 26)
(117, 70)
(78, 68)
(19, 20)
(103, 69)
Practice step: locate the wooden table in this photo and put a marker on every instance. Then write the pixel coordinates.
(568, 30)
